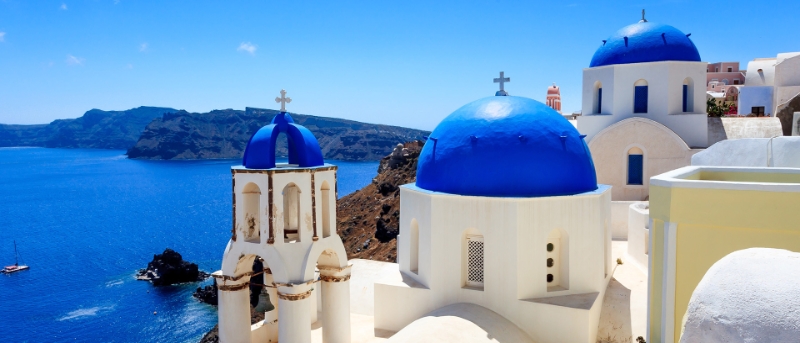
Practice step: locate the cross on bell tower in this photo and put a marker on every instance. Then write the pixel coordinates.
(643, 20)
(501, 80)
(283, 100)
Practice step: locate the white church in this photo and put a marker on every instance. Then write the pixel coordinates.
(504, 237)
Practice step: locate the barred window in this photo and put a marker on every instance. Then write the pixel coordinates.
(475, 261)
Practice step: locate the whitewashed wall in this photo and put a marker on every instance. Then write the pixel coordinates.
(665, 97)
(515, 234)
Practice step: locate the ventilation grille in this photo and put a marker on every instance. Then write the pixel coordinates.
(475, 261)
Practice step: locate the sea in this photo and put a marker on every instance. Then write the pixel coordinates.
(86, 220)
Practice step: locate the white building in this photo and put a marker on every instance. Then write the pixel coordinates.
(285, 215)
(506, 222)
(772, 88)
(644, 108)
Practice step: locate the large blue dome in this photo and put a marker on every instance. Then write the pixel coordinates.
(645, 42)
(506, 146)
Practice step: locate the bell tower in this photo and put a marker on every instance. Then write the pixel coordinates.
(284, 215)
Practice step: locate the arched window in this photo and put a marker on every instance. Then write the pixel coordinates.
(725, 81)
(325, 191)
(597, 100)
(557, 275)
(251, 195)
(414, 251)
(688, 95)
(291, 213)
(640, 97)
(635, 166)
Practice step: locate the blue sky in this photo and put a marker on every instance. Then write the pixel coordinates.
(404, 63)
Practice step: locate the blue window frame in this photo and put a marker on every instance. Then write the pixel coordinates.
(685, 98)
(640, 99)
(600, 100)
(635, 169)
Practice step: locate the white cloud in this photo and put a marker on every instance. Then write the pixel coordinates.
(247, 47)
(143, 47)
(63, 6)
(75, 61)
(2, 36)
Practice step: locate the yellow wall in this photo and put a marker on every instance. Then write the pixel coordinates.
(712, 223)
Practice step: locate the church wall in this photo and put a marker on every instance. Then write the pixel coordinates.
(710, 223)
(415, 206)
(665, 97)
(582, 217)
(514, 269)
(663, 151)
(590, 76)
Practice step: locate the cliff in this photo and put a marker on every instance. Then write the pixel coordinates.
(225, 133)
(368, 219)
(96, 129)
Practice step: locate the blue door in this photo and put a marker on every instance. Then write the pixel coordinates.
(635, 169)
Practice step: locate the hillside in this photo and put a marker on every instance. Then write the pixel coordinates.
(225, 133)
(367, 219)
(96, 129)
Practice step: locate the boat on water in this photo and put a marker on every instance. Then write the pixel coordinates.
(16, 267)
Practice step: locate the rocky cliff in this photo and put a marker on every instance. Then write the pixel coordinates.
(96, 129)
(367, 219)
(225, 133)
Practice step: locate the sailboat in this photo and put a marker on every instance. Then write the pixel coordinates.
(16, 267)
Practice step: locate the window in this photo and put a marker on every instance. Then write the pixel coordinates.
(291, 213)
(735, 81)
(325, 191)
(640, 97)
(475, 261)
(414, 251)
(716, 69)
(730, 69)
(687, 100)
(557, 272)
(635, 166)
(251, 195)
(758, 111)
(725, 81)
(597, 98)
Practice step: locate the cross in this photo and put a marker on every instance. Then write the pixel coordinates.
(283, 100)
(643, 20)
(501, 80)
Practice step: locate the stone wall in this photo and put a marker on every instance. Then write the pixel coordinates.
(735, 128)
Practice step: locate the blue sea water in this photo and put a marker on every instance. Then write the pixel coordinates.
(86, 220)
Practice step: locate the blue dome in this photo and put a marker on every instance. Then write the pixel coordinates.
(645, 42)
(506, 146)
(303, 146)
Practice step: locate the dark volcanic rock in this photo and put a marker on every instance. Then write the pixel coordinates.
(96, 129)
(225, 133)
(207, 294)
(368, 219)
(169, 268)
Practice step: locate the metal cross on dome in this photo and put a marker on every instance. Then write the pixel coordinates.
(501, 80)
(283, 100)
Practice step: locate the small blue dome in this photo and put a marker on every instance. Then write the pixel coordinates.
(645, 42)
(506, 146)
(303, 146)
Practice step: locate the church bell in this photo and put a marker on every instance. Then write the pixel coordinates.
(264, 304)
